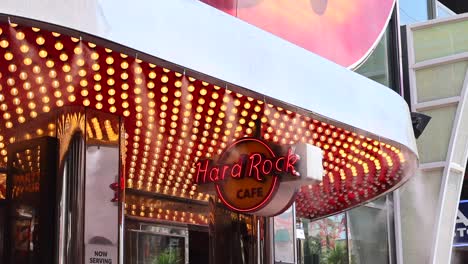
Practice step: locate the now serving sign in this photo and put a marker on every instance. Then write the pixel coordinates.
(101, 254)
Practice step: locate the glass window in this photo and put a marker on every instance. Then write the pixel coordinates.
(361, 235)
(284, 236)
(443, 11)
(325, 241)
(158, 244)
(377, 65)
(412, 11)
(368, 233)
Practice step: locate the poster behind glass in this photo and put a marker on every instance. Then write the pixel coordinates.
(284, 228)
(101, 211)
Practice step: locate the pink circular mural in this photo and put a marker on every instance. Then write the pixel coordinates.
(341, 31)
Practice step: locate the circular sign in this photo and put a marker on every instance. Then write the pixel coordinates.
(252, 189)
(246, 177)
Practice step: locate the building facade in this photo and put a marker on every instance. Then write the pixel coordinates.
(135, 98)
(436, 53)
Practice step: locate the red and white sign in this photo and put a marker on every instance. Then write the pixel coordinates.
(248, 176)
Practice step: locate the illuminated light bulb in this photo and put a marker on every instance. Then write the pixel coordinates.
(4, 43)
(42, 53)
(36, 70)
(97, 87)
(30, 95)
(178, 84)
(138, 100)
(95, 67)
(99, 97)
(8, 124)
(39, 80)
(14, 91)
(21, 119)
(31, 105)
(125, 104)
(97, 77)
(57, 94)
(50, 63)
(24, 48)
(55, 84)
(45, 99)
(20, 35)
(109, 60)
(66, 68)
(99, 106)
(82, 73)
(16, 101)
(63, 57)
(46, 108)
(78, 50)
(137, 90)
(138, 69)
(164, 79)
(58, 46)
(110, 71)
(83, 83)
(8, 56)
(110, 82)
(91, 45)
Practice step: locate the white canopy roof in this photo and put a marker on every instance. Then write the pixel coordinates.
(203, 39)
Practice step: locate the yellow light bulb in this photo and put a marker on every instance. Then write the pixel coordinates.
(8, 56)
(77, 50)
(4, 43)
(58, 46)
(24, 48)
(20, 35)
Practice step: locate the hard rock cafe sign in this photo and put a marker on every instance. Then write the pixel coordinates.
(252, 176)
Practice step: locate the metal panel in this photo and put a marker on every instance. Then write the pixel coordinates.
(439, 245)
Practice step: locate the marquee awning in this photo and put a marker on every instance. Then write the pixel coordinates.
(189, 80)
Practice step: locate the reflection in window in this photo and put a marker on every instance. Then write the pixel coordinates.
(2, 185)
(284, 237)
(25, 204)
(359, 236)
(325, 241)
(412, 11)
(368, 234)
(157, 244)
(377, 65)
(443, 11)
